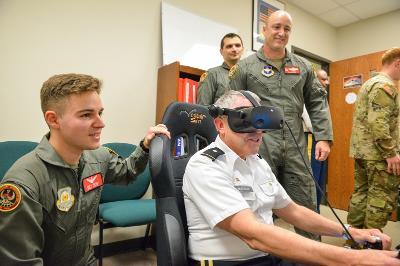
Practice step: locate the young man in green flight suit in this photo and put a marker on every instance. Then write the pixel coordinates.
(49, 197)
(287, 81)
(375, 146)
(214, 82)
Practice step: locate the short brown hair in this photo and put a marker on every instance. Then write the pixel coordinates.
(230, 35)
(390, 55)
(58, 87)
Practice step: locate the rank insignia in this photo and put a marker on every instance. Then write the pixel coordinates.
(203, 76)
(232, 72)
(10, 197)
(65, 199)
(388, 90)
(112, 151)
(267, 71)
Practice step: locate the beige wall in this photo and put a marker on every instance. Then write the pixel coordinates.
(368, 36)
(120, 42)
(117, 41)
(312, 34)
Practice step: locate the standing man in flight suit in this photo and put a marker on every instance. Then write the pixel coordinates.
(214, 82)
(49, 197)
(284, 80)
(374, 145)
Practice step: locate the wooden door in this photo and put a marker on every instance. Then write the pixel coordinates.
(341, 166)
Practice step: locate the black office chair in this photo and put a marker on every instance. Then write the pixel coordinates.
(192, 129)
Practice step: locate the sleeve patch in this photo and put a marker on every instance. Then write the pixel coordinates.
(203, 76)
(10, 197)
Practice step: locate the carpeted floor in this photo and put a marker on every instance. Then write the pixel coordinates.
(148, 257)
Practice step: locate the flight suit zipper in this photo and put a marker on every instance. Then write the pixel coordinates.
(78, 214)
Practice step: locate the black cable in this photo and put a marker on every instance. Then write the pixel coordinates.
(320, 189)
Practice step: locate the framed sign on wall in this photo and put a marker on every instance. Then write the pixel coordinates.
(262, 9)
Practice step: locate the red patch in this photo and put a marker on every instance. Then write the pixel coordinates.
(92, 182)
(292, 70)
(10, 197)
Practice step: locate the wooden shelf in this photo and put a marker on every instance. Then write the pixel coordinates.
(167, 84)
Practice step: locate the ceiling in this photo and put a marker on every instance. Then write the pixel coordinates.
(343, 12)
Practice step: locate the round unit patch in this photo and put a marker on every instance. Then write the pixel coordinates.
(10, 197)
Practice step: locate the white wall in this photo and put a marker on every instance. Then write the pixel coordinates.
(368, 36)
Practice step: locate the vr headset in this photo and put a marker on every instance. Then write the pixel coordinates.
(250, 119)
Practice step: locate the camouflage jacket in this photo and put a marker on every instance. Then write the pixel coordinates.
(375, 133)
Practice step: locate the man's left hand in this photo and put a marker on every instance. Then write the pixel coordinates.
(322, 150)
(362, 235)
(151, 133)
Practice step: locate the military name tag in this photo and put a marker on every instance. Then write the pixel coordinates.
(92, 182)
(292, 70)
(243, 188)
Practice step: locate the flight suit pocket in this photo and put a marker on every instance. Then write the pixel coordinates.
(92, 200)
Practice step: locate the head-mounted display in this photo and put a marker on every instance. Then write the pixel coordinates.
(250, 119)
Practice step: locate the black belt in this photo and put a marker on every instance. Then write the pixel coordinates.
(265, 260)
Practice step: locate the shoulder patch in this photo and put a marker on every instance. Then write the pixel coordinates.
(233, 71)
(213, 153)
(388, 90)
(111, 151)
(203, 76)
(10, 197)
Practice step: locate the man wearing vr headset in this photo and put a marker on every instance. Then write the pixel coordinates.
(230, 195)
(282, 79)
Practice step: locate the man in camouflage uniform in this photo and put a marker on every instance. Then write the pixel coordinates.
(214, 82)
(49, 197)
(375, 147)
(287, 81)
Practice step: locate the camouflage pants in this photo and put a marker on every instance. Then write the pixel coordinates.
(374, 196)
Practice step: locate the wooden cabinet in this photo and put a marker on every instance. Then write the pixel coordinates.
(167, 84)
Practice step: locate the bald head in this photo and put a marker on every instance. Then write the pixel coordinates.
(276, 33)
(323, 77)
(280, 14)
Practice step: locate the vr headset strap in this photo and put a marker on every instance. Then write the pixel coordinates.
(250, 98)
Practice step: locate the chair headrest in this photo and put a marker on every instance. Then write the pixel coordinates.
(189, 119)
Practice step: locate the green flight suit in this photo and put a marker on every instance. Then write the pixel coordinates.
(289, 88)
(375, 137)
(214, 85)
(37, 232)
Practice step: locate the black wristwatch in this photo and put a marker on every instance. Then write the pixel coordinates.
(141, 144)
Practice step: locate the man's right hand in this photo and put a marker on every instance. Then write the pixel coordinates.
(393, 165)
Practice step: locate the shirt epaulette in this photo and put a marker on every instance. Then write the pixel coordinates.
(213, 153)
